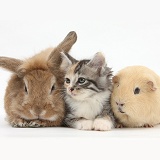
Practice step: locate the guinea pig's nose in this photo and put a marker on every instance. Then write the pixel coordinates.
(120, 104)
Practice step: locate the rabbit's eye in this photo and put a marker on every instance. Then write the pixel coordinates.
(25, 88)
(52, 88)
(136, 91)
(67, 80)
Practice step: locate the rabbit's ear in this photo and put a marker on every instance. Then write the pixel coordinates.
(11, 64)
(68, 42)
(55, 60)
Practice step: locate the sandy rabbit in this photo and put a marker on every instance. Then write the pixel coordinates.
(33, 96)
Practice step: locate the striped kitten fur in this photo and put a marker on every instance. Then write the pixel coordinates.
(87, 93)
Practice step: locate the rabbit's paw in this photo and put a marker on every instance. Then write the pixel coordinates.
(35, 124)
(19, 123)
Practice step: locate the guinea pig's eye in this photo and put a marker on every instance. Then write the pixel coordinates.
(67, 80)
(25, 89)
(81, 80)
(136, 91)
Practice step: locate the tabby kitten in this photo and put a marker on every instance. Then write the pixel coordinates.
(87, 93)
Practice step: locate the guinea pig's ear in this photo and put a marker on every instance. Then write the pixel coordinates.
(55, 60)
(115, 80)
(67, 61)
(11, 64)
(151, 86)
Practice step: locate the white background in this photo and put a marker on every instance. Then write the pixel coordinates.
(126, 32)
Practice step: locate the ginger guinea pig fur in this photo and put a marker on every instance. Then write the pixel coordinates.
(135, 99)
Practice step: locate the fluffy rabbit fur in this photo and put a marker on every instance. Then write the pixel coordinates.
(136, 97)
(33, 96)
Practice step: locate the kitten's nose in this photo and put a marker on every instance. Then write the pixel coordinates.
(71, 89)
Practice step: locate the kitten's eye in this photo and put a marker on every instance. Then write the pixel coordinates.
(25, 89)
(136, 91)
(67, 80)
(52, 88)
(81, 80)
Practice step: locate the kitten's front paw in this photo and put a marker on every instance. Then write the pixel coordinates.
(84, 124)
(102, 124)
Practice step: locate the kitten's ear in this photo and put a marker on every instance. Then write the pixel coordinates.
(66, 62)
(98, 61)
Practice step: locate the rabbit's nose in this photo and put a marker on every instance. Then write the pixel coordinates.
(36, 111)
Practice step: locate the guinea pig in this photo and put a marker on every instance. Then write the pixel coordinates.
(135, 99)
(33, 97)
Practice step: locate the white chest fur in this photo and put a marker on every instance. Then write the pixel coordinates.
(90, 107)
